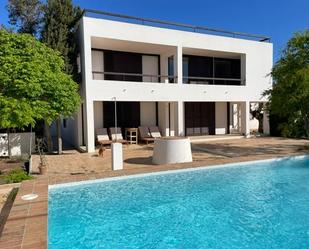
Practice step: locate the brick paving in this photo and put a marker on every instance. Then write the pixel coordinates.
(75, 166)
(26, 227)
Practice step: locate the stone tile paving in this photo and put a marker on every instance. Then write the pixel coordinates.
(74, 166)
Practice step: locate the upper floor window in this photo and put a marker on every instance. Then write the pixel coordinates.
(125, 66)
(211, 71)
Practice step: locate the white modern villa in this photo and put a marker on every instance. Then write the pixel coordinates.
(187, 80)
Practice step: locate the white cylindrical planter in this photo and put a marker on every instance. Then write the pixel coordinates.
(117, 158)
(172, 150)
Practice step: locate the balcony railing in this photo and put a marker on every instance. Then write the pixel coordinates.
(213, 81)
(97, 75)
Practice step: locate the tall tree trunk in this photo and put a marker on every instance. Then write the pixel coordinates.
(59, 136)
(48, 137)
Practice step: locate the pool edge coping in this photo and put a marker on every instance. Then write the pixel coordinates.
(172, 171)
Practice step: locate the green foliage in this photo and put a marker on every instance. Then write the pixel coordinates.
(289, 98)
(26, 15)
(33, 85)
(17, 175)
(59, 29)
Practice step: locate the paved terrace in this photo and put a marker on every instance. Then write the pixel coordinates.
(26, 226)
(75, 166)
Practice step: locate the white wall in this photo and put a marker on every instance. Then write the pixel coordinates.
(253, 124)
(19, 143)
(221, 118)
(4, 144)
(257, 57)
(148, 113)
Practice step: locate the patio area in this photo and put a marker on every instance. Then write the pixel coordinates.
(75, 166)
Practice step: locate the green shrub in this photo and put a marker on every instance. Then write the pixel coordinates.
(17, 175)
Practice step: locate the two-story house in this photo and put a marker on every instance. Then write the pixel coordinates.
(184, 79)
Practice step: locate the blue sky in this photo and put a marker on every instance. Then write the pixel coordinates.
(278, 19)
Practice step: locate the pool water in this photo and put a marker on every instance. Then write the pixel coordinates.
(264, 205)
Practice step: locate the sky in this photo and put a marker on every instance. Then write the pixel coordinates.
(278, 19)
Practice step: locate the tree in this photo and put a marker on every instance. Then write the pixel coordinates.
(289, 98)
(59, 29)
(26, 15)
(33, 85)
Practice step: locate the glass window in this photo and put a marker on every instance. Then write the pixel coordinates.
(185, 70)
(171, 69)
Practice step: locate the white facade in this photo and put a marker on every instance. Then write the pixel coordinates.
(163, 103)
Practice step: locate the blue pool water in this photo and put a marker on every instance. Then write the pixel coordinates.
(264, 205)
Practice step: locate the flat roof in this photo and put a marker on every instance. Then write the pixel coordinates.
(172, 25)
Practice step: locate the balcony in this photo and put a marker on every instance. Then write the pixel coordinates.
(115, 60)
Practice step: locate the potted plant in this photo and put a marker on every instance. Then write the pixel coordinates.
(43, 165)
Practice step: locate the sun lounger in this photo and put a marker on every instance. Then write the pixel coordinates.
(154, 131)
(116, 135)
(145, 134)
(102, 136)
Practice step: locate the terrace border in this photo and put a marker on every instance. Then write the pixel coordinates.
(26, 226)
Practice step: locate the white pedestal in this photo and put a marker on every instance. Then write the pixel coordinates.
(172, 150)
(117, 159)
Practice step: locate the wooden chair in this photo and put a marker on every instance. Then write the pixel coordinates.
(155, 132)
(145, 134)
(102, 136)
(116, 135)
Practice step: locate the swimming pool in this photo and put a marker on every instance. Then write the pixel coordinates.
(264, 205)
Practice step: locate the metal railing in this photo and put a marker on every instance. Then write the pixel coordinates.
(98, 75)
(213, 81)
(174, 25)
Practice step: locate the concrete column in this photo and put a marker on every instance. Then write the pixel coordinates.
(266, 127)
(180, 119)
(90, 141)
(245, 114)
(117, 156)
(86, 65)
(178, 60)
